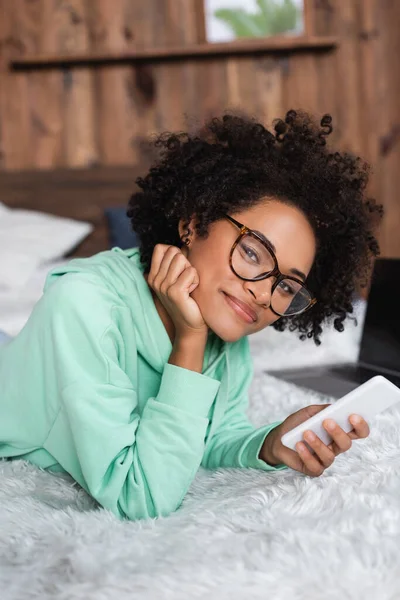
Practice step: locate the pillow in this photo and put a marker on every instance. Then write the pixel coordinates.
(17, 305)
(29, 238)
(119, 226)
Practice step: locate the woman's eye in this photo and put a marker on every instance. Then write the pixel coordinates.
(287, 289)
(250, 252)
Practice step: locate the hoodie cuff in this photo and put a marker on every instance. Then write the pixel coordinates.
(248, 456)
(187, 390)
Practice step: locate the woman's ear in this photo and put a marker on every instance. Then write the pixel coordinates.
(182, 229)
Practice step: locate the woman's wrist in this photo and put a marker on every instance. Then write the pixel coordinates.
(188, 352)
(266, 454)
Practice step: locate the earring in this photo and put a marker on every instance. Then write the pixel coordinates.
(186, 241)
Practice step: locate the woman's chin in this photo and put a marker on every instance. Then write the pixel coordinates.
(226, 334)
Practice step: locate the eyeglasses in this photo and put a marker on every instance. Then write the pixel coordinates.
(252, 259)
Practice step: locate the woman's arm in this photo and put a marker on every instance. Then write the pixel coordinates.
(236, 442)
(136, 465)
(188, 353)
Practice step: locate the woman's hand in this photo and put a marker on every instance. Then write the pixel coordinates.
(274, 452)
(173, 279)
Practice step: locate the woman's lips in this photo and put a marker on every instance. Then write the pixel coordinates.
(239, 311)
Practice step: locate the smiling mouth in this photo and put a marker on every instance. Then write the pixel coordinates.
(238, 310)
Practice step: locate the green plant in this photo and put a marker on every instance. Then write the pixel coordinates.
(272, 17)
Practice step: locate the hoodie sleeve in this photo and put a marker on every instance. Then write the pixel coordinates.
(136, 465)
(236, 442)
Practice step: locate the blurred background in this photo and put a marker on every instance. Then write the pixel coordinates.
(83, 84)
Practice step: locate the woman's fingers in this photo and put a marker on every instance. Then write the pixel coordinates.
(312, 465)
(361, 427)
(315, 464)
(313, 457)
(156, 261)
(167, 257)
(342, 441)
(173, 278)
(325, 454)
(177, 266)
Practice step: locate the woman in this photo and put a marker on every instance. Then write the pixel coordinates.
(133, 368)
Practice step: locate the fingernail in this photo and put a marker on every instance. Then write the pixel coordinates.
(330, 425)
(356, 419)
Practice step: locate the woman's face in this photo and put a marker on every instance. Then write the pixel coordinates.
(285, 227)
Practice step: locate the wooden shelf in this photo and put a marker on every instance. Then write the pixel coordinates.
(276, 44)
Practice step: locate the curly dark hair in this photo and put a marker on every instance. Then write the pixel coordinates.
(232, 164)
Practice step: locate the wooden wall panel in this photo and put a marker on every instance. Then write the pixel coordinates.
(116, 118)
(301, 90)
(47, 116)
(212, 79)
(269, 88)
(15, 101)
(247, 75)
(3, 67)
(141, 79)
(344, 18)
(388, 163)
(87, 116)
(366, 95)
(174, 24)
(328, 96)
(37, 25)
(80, 146)
(132, 102)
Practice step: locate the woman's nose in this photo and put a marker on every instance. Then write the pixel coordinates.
(262, 290)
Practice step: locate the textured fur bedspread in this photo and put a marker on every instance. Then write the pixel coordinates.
(239, 534)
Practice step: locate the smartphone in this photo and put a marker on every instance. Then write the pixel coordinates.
(367, 400)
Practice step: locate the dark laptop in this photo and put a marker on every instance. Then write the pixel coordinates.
(380, 344)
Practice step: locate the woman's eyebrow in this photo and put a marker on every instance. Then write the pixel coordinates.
(298, 273)
(265, 239)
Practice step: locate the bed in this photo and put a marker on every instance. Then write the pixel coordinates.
(79, 201)
(239, 533)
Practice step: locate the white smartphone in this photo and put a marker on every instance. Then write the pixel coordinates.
(367, 400)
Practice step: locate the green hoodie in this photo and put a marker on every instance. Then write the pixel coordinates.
(86, 388)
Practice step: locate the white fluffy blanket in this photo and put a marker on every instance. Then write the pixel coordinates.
(239, 533)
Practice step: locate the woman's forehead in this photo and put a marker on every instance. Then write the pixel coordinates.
(286, 228)
(275, 217)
